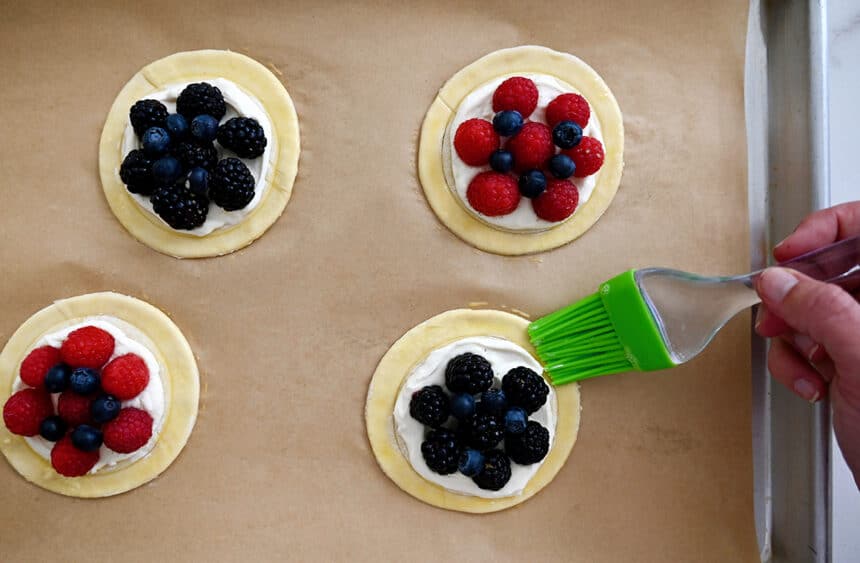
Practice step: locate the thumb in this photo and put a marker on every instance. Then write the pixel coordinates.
(825, 312)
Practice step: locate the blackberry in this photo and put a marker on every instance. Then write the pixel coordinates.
(496, 471)
(136, 173)
(468, 373)
(180, 207)
(525, 388)
(530, 446)
(244, 136)
(193, 155)
(429, 406)
(201, 98)
(231, 185)
(145, 114)
(484, 430)
(441, 451)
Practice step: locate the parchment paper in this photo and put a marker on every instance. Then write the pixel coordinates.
(289, 330)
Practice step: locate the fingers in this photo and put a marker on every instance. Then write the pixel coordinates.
(819, 229)
(790, 369)
(768, 325)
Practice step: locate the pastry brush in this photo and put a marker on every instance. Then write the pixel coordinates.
(657, 318)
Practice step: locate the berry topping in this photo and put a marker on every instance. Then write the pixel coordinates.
(493, 401)
(198, 181)
(532, 146)
(561, 166)
(125, 377)
(84, 381)
(517, 94)
(201, 98)
(129, 431)
(532, 183)
(508, 123)
(104, 408)
(244, 136)
(88, 347)
(468, 373)
(37, 363)
(177, 126)
(475, 141)
(145, 114)
(179, 207)
(484, 431)
(501, 161)
(231, 185)
(166, 170)
(136, 173)
(566, 134)
(155, 141)
(587, 155)
(25, 410)
(515, 421)
(525, 388)
(471, 462)
(52, 428)
(441, 451)
(493, 194)
(87, 438)
(429, 406)
(568, 107)
(557, 202)
(530, 445)
(204, 127)
(70, 461)
(193, 154)
(74, 408)
(496, 471)
(58, 378)
(462, 405)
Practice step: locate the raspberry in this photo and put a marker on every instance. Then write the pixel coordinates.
(125, 377)
(493, 194)
(568, 107)
(429, 406)
(87, 347)
(74, 408)
(587, 156)
(525, 388)
(517, 94)
(36, 365)
(70, 461)
(468, 373)
(529, 446)
(557, 202)
(531, 147)
(24, 412)
(475, 141)
(129, 431)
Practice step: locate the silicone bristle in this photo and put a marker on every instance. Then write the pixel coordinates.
(578, 342)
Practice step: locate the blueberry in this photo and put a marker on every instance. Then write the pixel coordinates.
(84, 381)
(167, 170)
(462, 405)
(532, 183)
(52, 428)
(177, 126)
(508, 123)
(204, 127)
(501, 161)
(566, 134)
(104, 408)
(155, 141)
(493, 401)
(57, 378)
(562, 166)
(471, 462)
(86, 438)
(198, 180)
(515, 421)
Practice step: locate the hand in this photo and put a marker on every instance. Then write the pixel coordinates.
(816, 327)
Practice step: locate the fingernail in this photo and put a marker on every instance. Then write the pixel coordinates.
(759, 316)
(806, 389)
(780, 243)
(806, 346)
(775, 283)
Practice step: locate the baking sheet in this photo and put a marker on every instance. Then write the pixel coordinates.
(289, 330)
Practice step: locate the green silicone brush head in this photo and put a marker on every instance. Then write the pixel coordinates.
(611, 331)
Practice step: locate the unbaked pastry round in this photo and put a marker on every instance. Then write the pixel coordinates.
(179, 376)
(396, 365)
(509, 62)
(196, 66)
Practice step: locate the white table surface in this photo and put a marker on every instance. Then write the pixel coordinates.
(844, 83)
